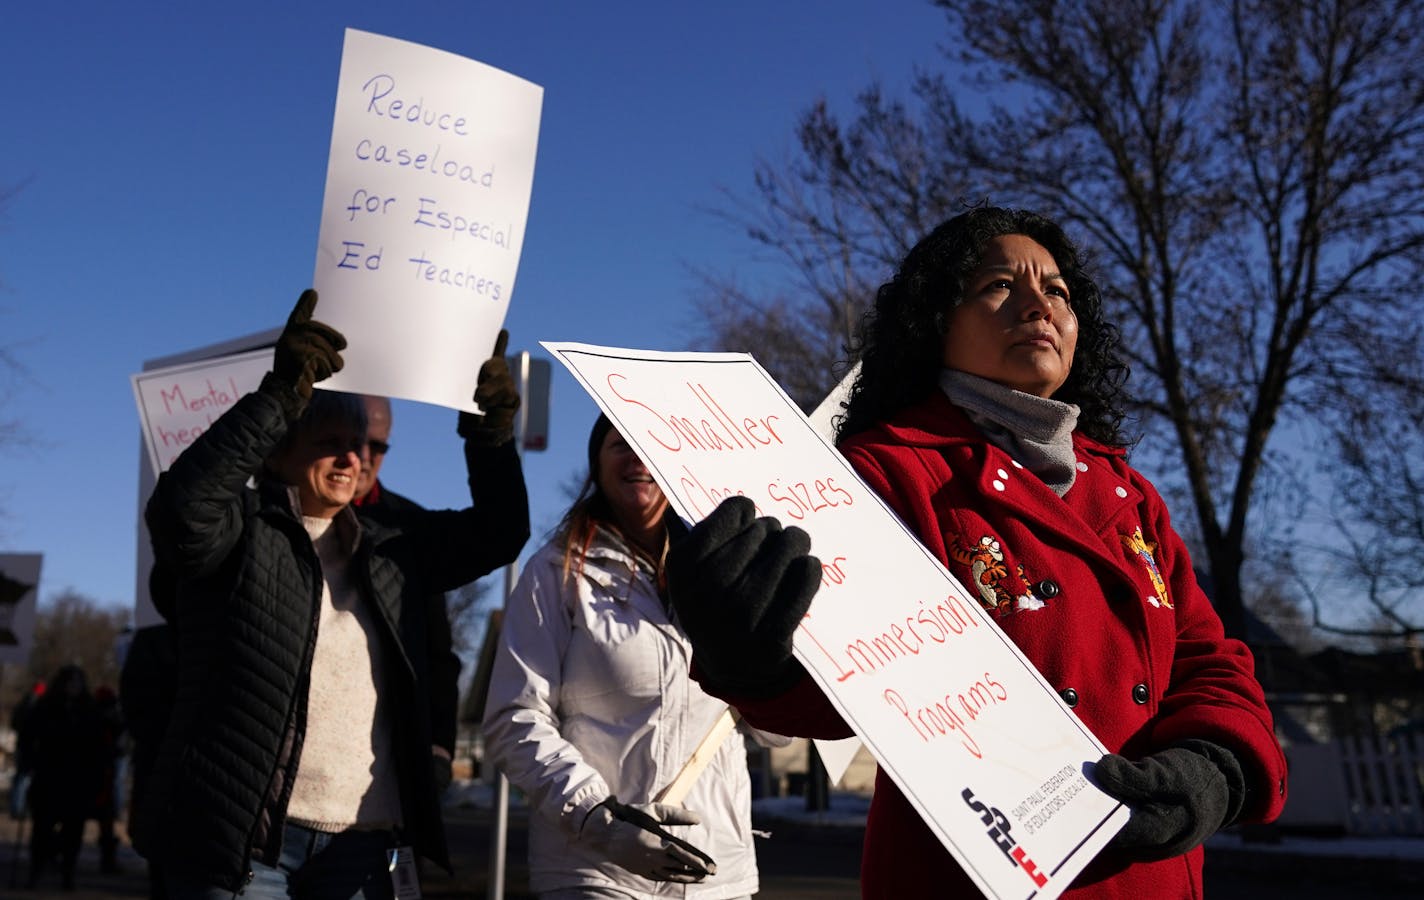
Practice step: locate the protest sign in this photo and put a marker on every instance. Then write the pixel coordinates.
(836, 756)
(427, 194)
(178, 403)
(19, 592)
(949, 707)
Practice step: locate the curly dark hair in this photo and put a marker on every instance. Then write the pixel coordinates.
(901, 340)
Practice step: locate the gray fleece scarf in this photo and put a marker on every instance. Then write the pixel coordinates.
(1033, 430)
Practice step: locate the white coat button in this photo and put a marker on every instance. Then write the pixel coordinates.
(1120, 491)
(1003, 474)
(1081, 466)
(998, 485)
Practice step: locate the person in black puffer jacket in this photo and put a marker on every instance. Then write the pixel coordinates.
(297, 755)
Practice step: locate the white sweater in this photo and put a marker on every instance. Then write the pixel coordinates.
(346, 777)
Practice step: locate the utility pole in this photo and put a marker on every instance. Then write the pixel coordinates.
(538, 406)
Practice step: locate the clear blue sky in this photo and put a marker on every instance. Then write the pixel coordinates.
(177, 158)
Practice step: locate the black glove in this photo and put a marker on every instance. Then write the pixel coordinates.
(307, 351)
(496, 394)
(440, 765)
(1179, 797)
(741, 586)
(632, 836)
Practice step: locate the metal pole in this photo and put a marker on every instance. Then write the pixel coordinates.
(499, 835)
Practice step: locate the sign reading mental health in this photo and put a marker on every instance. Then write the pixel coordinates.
(947, 704)
(427, 195)
(19, 592)
(178, 403)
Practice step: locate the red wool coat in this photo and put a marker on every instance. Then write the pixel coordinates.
(1098, 591)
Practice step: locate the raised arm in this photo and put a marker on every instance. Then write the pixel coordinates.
(195, 513)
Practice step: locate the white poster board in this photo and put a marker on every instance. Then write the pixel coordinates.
(19, 594)
(178, 403)
(979, 743)
(427, 195)
(836, 756)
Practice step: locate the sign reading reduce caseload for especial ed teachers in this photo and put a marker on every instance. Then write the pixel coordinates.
(427, 195)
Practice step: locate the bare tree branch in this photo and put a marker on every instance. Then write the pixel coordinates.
(1245, 173)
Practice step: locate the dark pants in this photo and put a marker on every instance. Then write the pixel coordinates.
(314, 865)
(57, 832)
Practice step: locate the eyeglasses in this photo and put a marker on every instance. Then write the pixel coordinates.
(378, 448)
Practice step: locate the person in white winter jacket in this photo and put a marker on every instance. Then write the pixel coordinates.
(591, 711)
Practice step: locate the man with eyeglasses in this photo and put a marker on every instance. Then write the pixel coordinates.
(374, 500)
(373, 454)
(293, 765)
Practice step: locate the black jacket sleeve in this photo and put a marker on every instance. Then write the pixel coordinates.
(456, 547)
(444, 674)
(499, 496)
(195, 515)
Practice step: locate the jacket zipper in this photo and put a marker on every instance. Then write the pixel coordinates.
(290, 728)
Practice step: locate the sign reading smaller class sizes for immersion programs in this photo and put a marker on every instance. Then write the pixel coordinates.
(949, 707)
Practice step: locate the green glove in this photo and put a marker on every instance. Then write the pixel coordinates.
(1179, 797)
(307, 351)
(497, 396)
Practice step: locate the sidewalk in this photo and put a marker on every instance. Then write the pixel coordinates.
(468, 830)
(794, 866)
(1302, 867)
(1355, 864)
(90, 884)
(1235, 861)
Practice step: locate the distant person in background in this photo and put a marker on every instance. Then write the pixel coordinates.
(114, 740)
(296, 763)
(62, 743)
(591, 712)
(374, 500)
(20, 784)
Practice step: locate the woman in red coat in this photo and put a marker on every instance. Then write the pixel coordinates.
(986, 414)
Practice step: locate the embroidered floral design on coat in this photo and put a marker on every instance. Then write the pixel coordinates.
(999, 591)
(1143, 549)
